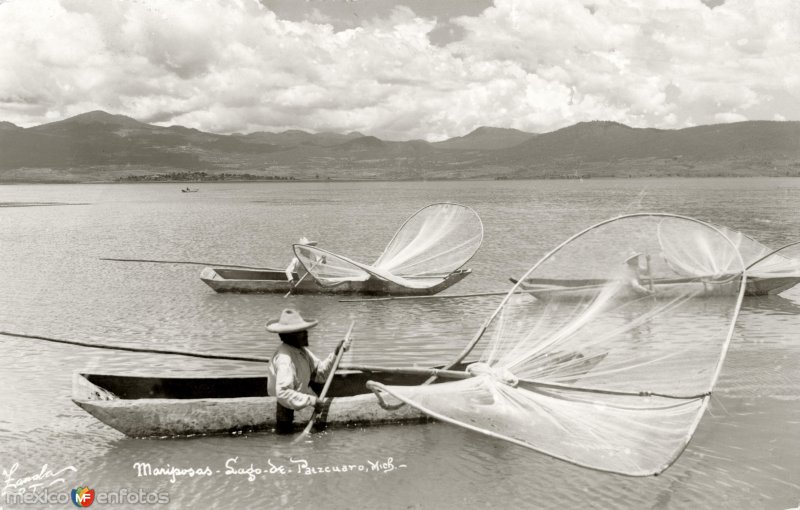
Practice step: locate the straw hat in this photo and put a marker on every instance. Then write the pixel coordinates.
(304, 240)
(290, 322)
(633, 258)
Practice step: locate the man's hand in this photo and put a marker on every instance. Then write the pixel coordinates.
(343, 345)
(319, 405)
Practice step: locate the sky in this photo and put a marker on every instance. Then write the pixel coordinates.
(403, 69)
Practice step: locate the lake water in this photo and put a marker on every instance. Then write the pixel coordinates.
(746, 453)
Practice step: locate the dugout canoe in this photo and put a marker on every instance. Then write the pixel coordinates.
(755, 286)
(769, 286)
(183, 406)
(551, 289)
(265, 282)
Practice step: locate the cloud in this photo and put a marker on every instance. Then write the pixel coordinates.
(235, 65)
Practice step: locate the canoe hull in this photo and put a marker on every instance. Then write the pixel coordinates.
(760, 286)
(170, 407)
(756, 286)
(553, 289)
(265, 282)
(172, 417)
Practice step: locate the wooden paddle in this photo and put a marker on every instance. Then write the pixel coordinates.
(649, 274)
(345, 346)
(294, 285)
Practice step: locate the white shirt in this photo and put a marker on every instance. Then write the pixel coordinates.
(290, 268)
(290, 372)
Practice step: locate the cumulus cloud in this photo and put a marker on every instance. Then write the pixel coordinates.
(234, 65)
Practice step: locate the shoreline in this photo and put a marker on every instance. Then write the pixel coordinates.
(476, 179)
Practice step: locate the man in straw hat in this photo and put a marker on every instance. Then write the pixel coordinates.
(634, 275)
(295, 265)
(293, 366)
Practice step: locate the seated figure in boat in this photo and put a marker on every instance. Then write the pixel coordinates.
(633, 275)
(295, 266)
(293, 367)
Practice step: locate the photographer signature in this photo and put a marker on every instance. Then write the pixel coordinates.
(45, 477)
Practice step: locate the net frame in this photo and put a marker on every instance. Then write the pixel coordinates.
(421, 281)
(357, 267)
(700, 401)
(753, 254)
(515, 288)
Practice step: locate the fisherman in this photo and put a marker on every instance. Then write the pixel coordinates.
(293, 367)
(295, 265)
(633, 275)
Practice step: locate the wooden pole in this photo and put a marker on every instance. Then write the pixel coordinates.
(192, 263)
(345, 346)
(294, 285)
(453, 296)
(433, 372)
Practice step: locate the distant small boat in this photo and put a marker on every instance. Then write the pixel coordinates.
(264, 282)
(189, 190)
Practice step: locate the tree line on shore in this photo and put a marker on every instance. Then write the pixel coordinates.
(204, 176)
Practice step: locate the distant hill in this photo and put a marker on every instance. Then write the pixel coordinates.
(606, 148)
(362, 143)
(8, 126)
(99, 146)
(294, 138)
(610, 141)
(486, 138)
(91, 120)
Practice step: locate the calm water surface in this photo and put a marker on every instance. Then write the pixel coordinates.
(746, 453)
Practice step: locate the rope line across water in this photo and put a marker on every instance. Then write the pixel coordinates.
(136, 349)
(192, 263)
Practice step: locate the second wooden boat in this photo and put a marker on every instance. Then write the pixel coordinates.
(556, 288)
(259, 281)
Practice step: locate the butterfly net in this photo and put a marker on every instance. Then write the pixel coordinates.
(327, 268)
(434, 242)
(612, 372)
(761, 261)
(330, 269)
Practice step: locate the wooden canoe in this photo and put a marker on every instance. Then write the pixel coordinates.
(769, 286)
(755, 286)
(183, 406)
(258, 281)
(551, 289)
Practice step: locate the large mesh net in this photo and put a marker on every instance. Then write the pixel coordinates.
(435, 241)
(330, 269)
(610, 364)
(327, 268)
(760, 260)
(431, 244)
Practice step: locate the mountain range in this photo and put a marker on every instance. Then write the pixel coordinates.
(99, 146)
